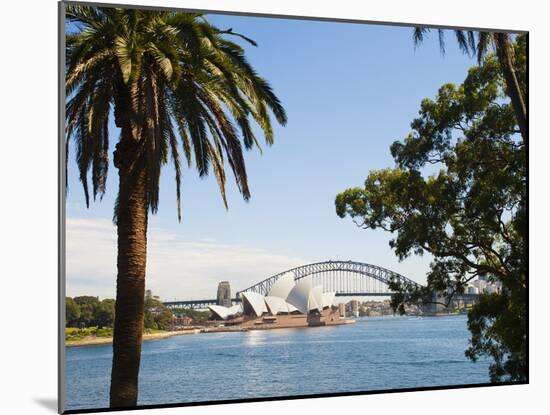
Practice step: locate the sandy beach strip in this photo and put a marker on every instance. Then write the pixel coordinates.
(94, 341)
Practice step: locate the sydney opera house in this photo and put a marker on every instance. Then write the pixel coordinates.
(288, 303)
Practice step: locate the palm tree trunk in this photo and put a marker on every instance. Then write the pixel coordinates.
(132, 254)
(505, 55)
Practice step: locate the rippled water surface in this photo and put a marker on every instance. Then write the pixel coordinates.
(374, 353)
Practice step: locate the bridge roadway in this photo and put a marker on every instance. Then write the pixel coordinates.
(346, 278)
(202, 304)
(198, 304)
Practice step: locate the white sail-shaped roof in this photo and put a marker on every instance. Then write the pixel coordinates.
(219, 311)
(328, 299)
(276, 305)
(254, 301)
(235, 309)
(291, 308)
(282, 287)
(225, 312)
(315, 300)
(299, 295)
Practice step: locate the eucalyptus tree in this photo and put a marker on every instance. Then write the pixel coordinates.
(479, 43)
(458, 191)
(174, 83)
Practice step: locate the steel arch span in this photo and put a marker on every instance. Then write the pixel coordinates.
(346, 278)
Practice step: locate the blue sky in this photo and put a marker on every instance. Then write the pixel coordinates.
(350, 90)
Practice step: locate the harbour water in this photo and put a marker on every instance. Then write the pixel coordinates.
(376, 353)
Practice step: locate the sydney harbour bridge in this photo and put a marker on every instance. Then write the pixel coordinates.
(345, 278)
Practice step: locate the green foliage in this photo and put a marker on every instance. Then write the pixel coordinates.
(164, 319)
(149, 320)
(104, 332)
(498, 327)
(105, 313)
(157, 315)
(90, 315)
(88, 307)
(198, 316)
(470, 42)
(72, 312)
(75, 334)
(88, 311)
(165, 74)
(458, 191)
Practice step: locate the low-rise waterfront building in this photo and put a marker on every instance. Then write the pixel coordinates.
(342, 309)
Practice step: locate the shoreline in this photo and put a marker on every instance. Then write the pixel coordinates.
(101, 341)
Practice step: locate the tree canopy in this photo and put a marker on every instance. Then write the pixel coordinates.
(171, 78)
(478, 43)
(88, 311)
(157, 315)
(458, 191)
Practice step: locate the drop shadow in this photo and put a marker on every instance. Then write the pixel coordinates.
(48, 403)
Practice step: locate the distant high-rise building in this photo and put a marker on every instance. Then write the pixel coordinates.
(354, 308)
(342, 309)
(224, 294)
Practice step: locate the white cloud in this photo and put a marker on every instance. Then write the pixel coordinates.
(176, 268)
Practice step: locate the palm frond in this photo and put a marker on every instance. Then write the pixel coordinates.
(418, 35)
(83, 151)
(98, 131)
(169, 76)
(462, 41)
(441, 35)
(484, 40)
(232, 33)
(123, 51)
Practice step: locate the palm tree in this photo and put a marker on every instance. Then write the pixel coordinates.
(168, 77)
(515, 86)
